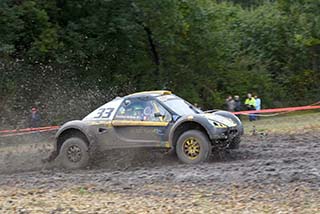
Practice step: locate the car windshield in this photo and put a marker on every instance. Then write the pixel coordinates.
(179, 105)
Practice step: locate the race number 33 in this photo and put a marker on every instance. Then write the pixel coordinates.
(104, 113)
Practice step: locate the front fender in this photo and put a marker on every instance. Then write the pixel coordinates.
(233, 118)
(202, 121)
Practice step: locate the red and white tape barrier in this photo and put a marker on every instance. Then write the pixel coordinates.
(17, 132)
(277, 110)
(26, 133)
(29, 129)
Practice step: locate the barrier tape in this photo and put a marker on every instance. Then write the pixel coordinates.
(26, 133)
(18, 132)
(29, 129)
(268, 115)
(275, 110)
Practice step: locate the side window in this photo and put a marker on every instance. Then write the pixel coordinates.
(142, 110)
(163, 114)
(134, 110)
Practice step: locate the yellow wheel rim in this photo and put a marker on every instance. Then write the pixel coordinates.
(191, 148)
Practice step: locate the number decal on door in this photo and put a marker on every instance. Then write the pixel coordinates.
(104, 113)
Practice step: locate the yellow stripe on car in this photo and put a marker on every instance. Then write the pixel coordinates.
(157, 110)
(138, 123)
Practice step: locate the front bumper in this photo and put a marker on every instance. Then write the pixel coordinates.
(226, 134)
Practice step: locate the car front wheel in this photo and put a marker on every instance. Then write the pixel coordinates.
(193, 147)
(74, 153)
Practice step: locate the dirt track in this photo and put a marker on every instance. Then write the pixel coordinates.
(268, 174)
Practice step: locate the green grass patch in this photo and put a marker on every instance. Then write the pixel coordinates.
(285, 123)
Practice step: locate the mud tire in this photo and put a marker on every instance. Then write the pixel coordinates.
(82, 153)
(203, 141)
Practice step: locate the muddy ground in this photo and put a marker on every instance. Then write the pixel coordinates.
(268, 174)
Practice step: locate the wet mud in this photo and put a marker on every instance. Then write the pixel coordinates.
(286, 161)
(267, 159)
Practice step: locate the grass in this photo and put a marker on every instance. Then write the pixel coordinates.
(286, 123)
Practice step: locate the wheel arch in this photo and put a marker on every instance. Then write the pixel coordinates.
(68, 133)
(184, 126)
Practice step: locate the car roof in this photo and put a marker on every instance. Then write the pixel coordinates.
(149, 93)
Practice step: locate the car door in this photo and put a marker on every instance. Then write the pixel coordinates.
(141, 122)
(99, 123)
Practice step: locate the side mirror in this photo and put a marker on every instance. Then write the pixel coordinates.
(158, 114)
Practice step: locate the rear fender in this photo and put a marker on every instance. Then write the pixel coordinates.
(76, 128)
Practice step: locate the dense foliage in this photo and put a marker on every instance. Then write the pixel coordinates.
(58, 53)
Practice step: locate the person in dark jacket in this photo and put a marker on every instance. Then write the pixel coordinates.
(237, 103)
(35, 118)
(230, 104)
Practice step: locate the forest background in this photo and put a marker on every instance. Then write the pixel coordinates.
(67, 57)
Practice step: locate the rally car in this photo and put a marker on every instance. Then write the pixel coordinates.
(157, 119)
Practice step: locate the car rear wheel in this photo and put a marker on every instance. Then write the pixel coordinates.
(193, 147)
(74, 153)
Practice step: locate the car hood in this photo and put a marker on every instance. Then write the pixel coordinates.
(220, 119)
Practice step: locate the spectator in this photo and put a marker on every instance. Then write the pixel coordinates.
(230, 103)
(35, 118)
(237, 103)
(258, 104)
(251, 105)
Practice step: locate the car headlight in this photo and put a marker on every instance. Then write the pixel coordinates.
(219, 125)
